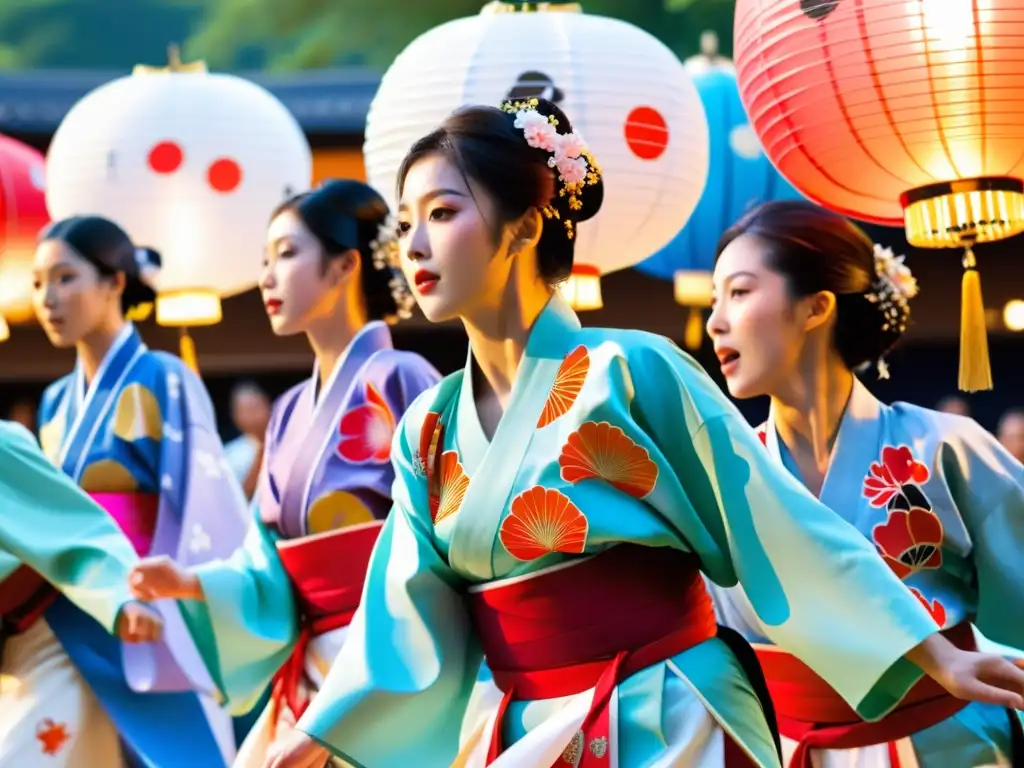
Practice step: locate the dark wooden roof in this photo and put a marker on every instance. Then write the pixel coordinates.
(333, 101)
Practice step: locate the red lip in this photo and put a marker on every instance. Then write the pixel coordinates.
(425, 280)
(273, 306)
(728, 359)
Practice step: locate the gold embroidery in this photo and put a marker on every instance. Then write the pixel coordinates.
(108, 476)
(574, 751)
(50, 435)
(599, 747)
(335, 510)
(137, 415)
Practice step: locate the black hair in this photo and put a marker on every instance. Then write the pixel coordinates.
(345, 215)
(108, 248)
(817, 250)
(485, 146)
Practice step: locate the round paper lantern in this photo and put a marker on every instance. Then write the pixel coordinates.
(896, 112)
(22, 215)
(739, 177)
(189, 163)
(626, 93)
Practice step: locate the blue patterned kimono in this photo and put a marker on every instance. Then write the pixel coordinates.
(609, 437)
(942, 503)
(145, 425)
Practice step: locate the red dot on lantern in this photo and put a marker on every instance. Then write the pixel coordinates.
(224, 175)
(166, 157)
(646, 133)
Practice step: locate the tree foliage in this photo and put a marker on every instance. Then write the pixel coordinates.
(283, 35)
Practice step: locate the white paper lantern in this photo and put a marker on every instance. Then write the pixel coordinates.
(189, 163)
(625, 92)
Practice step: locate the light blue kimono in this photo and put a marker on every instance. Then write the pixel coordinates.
(943, 503)
(145, 424)
(409, 687)
(48, 524)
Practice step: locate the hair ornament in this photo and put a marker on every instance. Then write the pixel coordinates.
(387, 257)
(575, 166)
(149, 266)
(893, 288)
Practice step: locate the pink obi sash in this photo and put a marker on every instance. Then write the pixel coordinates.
(25, 595)
(589, 625)
(135, 514)
(327, 572)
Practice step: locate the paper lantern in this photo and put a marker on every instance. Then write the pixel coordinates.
(22, 215)
(896, 113)
(739, 177)
(626, 93)
(189, 163)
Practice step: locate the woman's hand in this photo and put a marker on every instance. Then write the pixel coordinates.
(970, 675)
(296, 750)
(156, 578)
(139, 624)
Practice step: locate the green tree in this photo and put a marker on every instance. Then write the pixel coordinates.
(93, 34)
(302, 34)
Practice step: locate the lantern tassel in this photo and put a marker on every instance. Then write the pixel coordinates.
(975, 369)
(693, 336)
(187, 349)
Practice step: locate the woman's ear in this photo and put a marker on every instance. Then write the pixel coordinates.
(342, 266)
(821, 306)
(526, 232)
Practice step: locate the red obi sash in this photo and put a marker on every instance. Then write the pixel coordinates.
(589, 624)
(812, 714)
(327, 572)
(25, 595)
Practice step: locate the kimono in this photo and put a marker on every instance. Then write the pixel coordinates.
(141, 439)
(50, 532)
(942, 503)
(279, 609)
(535, 599)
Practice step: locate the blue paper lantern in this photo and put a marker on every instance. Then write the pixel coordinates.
(739, 174)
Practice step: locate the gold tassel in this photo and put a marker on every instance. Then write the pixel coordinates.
(975, 370)
(187, 348)
(693, 336)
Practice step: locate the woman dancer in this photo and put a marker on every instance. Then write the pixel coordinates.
(54, 540)
(136, 430)
(326, 479)
(557, 442)
(803, 299)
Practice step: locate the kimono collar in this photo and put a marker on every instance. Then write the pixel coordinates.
(553, 330)
(372, 337)
(857, 444)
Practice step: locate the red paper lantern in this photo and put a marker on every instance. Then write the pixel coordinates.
(22, 215)
(896, 112)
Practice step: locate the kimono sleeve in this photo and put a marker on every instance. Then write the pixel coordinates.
(49, 524)
(987, 484)
(816, 584)
(246, 626)
(397, 692)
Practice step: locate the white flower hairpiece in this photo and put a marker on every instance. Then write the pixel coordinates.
(570, 157)
(386, 257)
(893, 288)
(148, 268)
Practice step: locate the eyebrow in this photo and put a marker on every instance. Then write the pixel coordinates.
(432, 194)
(741, 273)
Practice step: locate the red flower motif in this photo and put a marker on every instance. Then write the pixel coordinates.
(762, 435)
(367, 429)
(52, 736)
(897, 468)
(935, 608)
(910, 541)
